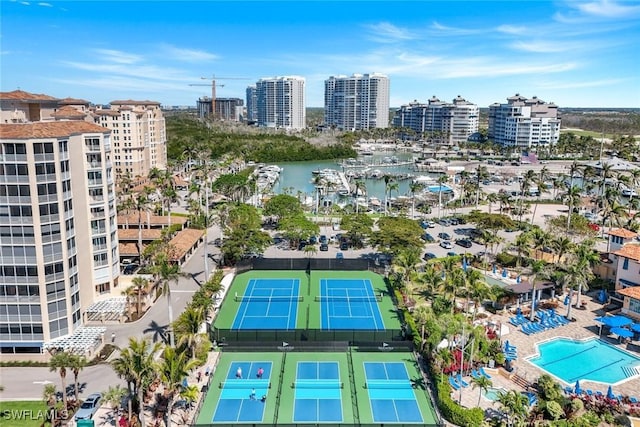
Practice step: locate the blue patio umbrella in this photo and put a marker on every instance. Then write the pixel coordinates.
(602, 296)
(577, 388)
(614, 321)
(504, 272)
(610, 394)
(621, 332)
(635, 327)
(464, 263)
(567, 300)
(494, 269)
(518, 279)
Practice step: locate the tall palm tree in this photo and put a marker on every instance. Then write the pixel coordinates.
(49, 396)
(561, 245)
(138, 288)
(477, 289)
(481, 174)
(574, 169)
(442, 179)
(174, 366)
(136, 365)
(187, 328)
(514, 403)
(572, 198)
(483, 384)
(522, 245)
(388, 180)
(540, 180)
(61, 361)
(528, 179)
(166, 272)
(537, 270)
(114, 395)
(586, 259)
(492, 198)
(141, 203)
(414, 188)
(78, 363)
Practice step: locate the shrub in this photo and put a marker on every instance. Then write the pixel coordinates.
(554, 410)
(453, 412)
(506, 260)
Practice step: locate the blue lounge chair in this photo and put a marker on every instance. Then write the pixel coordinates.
(453, 383)
(483, 373)
(568, 390)
(461, 381)
(475, 374)
(633, 400)
(589, 392)
(599, 394)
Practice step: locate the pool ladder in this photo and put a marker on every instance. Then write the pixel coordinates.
(631, 371)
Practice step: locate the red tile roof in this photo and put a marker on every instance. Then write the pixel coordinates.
(68, 112)
(632, 291)
(21, 95)
(185, 240)
(48, 129)
(630, 251)
(73, 101)
(131, 234)
(132, 219)
(128, 249)
(623, 232)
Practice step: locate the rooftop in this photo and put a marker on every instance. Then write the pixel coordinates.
(48, 129)
(20, 95)
(623, 232)
(631, 251)
(633, 292)
(132, 219)
(131, 234)
(184, 240)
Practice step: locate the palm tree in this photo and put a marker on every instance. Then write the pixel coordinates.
(492, 198)
(414, 188)
(360, 188)
(187, 328)
(60, 361)
(141, 203)
(49, 396)
(481, 174)
(586, 259)
(442, 179)
(561, 245)
(514, 403)
(166, 272)
(522, 245)
(136, 364)
(537, 270)
(482, 383)
(173, 368)
(388, 180)
(540, 180)
(528, 179)
(477, 289)
(78, 363)
(310, 250)
(573, 171)
(190, 394)
(114, 395)
(138, 288)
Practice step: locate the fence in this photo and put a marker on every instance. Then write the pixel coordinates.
(318, 424)
(228, 336)
(310, 264)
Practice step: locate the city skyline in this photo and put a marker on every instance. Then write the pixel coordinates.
(575, 54)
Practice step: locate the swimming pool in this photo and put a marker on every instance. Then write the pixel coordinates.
(593, 359)
(492, 393)
(438, 188)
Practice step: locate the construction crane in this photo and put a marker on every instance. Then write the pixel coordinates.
(213, 88)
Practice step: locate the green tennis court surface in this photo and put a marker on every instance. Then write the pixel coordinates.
(317, 388)
(266, 305)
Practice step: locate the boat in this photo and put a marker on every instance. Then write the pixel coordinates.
(343, 192)
(423, 179)
(628, 192)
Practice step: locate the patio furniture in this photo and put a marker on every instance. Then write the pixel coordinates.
(461, 381)
(483, 373)
(453, 383)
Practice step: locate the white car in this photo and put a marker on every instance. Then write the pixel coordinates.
(446, 244)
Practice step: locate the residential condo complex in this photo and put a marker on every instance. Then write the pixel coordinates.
(281, 102)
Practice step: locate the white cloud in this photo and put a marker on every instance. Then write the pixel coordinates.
(511, 29)
(453, 31)
(608, 9)
(541, 46)
(188, 55)
(118, 56)
(385, 32)
(45, 4)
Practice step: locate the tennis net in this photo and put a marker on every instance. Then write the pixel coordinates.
(365, 298)
(258, 298)
(240, 383)
(320, 384)
(388, 384)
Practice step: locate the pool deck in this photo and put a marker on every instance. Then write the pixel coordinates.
(584, 327)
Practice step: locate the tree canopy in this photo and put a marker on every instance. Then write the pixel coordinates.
(396, 234)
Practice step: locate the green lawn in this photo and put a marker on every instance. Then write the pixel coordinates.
(22, 413)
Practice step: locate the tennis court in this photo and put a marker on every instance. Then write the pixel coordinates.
(390, 393)
(241, 398)
(268, 304)
(349, 304)
(317, 392)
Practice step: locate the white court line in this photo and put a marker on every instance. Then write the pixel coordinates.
(251, 285)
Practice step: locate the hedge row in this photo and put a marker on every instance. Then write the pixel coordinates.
(450, 410)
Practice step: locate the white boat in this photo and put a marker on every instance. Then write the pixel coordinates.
(627, 192)
(343, 192)
(423, 179)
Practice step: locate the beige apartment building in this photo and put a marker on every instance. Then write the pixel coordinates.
(58, 242)
(138, 127)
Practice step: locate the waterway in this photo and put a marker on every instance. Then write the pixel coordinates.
(297, 176)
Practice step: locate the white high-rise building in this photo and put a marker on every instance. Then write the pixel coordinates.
(58, 243)
(360, 101)
(523, 122)
(281, 102)
(452, 123)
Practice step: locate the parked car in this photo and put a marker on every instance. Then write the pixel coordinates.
(444, 236)
(339, 255)
(218, 242)
(427, 238)
(465, 243)
(89, 407)
(453, 221)
(431, 224)
(302, 244)
(429, 256)
(324, 247)
(446, 244)
(323, 239)
(313, 240)
(424, 224)
(130, 268)
(344, 246)
(451, 253)
(444, 222)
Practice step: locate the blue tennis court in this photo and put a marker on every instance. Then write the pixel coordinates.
(237, 402)
(349, 304)
(317, 393)
(268, 304)
(391, 395)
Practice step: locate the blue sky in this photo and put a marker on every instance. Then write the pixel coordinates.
(574, 53)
